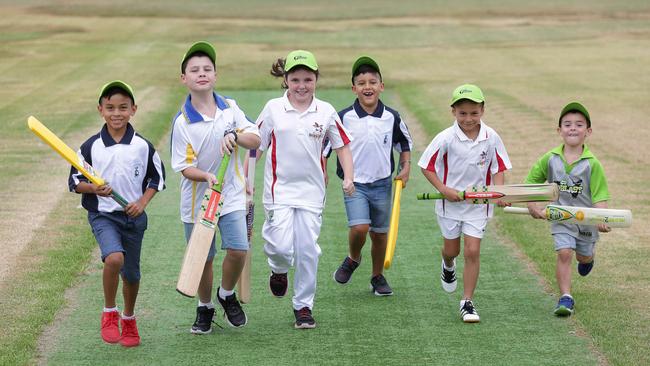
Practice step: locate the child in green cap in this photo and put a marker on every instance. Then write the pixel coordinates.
(582, 182)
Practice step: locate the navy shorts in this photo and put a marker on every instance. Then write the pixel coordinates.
(117, 232)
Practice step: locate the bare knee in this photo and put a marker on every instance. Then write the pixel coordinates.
(114, 260)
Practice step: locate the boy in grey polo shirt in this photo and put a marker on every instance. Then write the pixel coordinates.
(582, 183)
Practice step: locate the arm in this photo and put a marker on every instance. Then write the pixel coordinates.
(198, 175)
(136, 208)
(449, 193)
(345, 158)
(500, 179)
(603, 228)
(405, 167)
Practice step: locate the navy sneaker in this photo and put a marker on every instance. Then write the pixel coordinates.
(203, 322)
(380, 286)
(585, 268)
(278, 283)
(343, 274)
(233, 313)
(468, 312)
(564, 307)
(304, 320)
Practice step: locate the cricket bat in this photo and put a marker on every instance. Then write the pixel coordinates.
(244, 285)
(581, 215)
(507, 193)
(198, 246)
(71, 156)
(394, 225)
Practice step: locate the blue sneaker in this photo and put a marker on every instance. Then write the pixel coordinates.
(564, 307)
(585, 268)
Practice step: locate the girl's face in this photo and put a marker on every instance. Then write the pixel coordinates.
(301, 84)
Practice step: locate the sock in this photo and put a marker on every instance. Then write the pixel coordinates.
(124, 317)
(108, 310)
(209, 305)
(453, 266)
(569, 295)
(225, 293)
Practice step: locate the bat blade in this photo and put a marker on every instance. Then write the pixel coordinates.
(511, 193)
(394, 225)
(70, 156)
(582, 215)
(244, 284)
(198, 247)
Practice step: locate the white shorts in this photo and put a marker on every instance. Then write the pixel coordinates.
(451, 228)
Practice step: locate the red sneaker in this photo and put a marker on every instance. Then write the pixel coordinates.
(110, 328)
(130, 336)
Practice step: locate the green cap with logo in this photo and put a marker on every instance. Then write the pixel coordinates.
(300, 57)
(575, 107)
(467, 91)
(116, 84)
(364, 60)
(201, 46)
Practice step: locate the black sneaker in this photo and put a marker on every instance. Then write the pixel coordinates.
(585, 268)
(304, 320)
(380, 286)
(278, 284)
(343, 274)
(233, 313)
(203, 322)
(468, 313)
(448, 278)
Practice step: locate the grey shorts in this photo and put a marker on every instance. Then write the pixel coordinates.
(566, 241)
(232, 229)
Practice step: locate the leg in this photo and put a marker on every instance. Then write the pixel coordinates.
(450, 250)
(378, 252)
(111, 277)
(130, 293)
(563, 270)
(278, 232)
(356, 240)
(472, 251)
(307, 226)
(205, 285)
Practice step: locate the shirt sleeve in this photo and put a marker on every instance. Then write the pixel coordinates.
(182, 152)
(598, 184)
(499, 156)
(243, 124)
(432, 158)
(402, 140)
(539, 171)
(75, 176)
(155, 177)
(265, 126)
(337, 134)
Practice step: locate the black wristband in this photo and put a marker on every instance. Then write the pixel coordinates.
(233, 132)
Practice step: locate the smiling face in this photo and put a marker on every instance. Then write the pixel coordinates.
(301, 84)
(573, 129)
(468, 115)
(117, 110)
(200, 74)
(368, 86)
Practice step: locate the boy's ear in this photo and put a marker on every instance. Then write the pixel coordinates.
(134, 108)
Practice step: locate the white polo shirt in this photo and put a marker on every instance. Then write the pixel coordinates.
(129, 166)
(196, 142)
(374, 137)
(460, 162)
(293, 171)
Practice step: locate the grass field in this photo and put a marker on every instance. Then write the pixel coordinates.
(529, 58)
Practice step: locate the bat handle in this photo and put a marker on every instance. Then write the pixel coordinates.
(119, 199)
(430, 196)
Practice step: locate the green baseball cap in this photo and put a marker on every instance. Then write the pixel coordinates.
(116, 84)
(365, 60)
(200, 46)
(575, 107)
(300, 57)
(467, 91)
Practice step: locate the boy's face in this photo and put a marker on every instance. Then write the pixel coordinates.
(573, 129)
(301, 85)
(200, 74)
(368, 87)
(468, 115)
(117, 110)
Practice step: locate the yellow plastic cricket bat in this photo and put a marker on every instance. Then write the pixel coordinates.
(394, 224)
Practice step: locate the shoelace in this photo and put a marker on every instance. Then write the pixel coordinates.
(303, 313)
(468, 307)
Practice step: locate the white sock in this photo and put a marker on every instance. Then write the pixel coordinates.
(108, 310)
(569, 295)
(209, 305)
(128, 317)
(225, 293)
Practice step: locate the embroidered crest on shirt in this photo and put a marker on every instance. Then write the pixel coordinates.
(482, 159)
(317, 132)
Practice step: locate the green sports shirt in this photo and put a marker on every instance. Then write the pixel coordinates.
(582, 183)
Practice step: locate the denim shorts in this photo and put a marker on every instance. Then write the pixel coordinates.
(232, 228)
(370, 204)
(117, 232)
(566, 241)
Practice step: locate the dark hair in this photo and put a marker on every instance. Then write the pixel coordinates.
(196, 54)
(277, 70)
(466, 100)
(108, 93)
(364, 69)
(559, 122)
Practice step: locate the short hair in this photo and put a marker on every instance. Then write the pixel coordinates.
(364, 69)
(196, 54)
(559, 122)
(108, 93)
(459, 101)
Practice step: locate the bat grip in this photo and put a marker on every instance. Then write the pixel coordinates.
(119, 199)
(430, 196)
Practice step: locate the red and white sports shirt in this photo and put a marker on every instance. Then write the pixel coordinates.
(293, 171)
(460, 162)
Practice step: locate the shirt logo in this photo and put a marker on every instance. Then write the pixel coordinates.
(385, 139)
(136, 172)
(572, 186)
(317, 132)
(483, 159)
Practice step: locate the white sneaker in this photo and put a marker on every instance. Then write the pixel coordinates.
(468, 313)
(448, 278)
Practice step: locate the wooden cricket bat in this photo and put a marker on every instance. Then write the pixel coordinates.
(581, 215)
(244, 285)
(198, 246)
(71, 156)
(508, 193)
(394, 225)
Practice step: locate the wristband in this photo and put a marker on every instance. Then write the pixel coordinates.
(233, 132)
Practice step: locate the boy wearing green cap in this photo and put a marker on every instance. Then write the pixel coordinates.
(582, 182)
(208, 126)
(467, 153)
(376, 130)
(132, 166)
